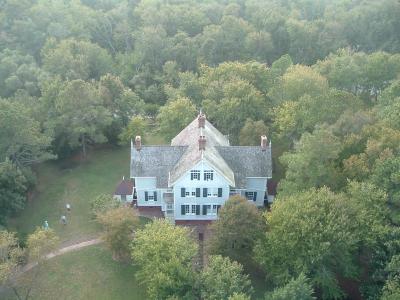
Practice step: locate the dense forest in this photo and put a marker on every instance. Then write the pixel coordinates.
(321, 77)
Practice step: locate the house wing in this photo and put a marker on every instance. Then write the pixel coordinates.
(155, 161)
(247, 161)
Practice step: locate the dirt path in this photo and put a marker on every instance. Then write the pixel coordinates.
(63, 251)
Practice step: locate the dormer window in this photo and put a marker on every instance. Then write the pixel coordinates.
(208, 175)
(194, 175)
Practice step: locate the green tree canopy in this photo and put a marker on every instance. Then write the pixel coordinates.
(78, 116)
(21, 137)
(296, 289)
(73, 59)
(222, 278)
(312, 162)
(164, 254)
(174, 116)
(325, 243)
(119, 225)
(238, 228)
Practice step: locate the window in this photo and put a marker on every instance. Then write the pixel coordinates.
(123, 197)
(187, 194)
(185, 209)
(194, 175)
(206, 209)
(208, 175)
(251, 196)
(194, 192)
(193, 209)
(150, 196)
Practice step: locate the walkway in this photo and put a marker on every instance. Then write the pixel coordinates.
(62, 251)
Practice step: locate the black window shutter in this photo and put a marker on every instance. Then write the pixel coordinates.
(219, 192)
(246, 194)
(183, 192)
(183, 210)
(155, 196)
(218, 207)
(146, 196)
(204, 192)
(255, 196)
(197, 192)
(197, 210)
(204, 210)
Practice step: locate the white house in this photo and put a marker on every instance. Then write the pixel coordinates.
(193, 177)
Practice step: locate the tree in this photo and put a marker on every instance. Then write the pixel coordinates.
(237, 230)
(293, 118)
(119, 225)
(13, 190)
(324, 245)
(222, 278)
(296, 82)
(251, 132)
(296, 289)
(174, 116)
(78, 114)
(72, 59)
(122, 103)
(239, 296)
(386, 174)
(10, 256)
(391, 290)
(19, 72)
(239, 101)
(164, 255)
(102, 203)
(312, 162)
(21, 138)
(39, 244)
(137, 126)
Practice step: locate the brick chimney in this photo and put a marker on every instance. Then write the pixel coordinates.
(202, 142)
(264, 142)
(138, 142)
(202, 120)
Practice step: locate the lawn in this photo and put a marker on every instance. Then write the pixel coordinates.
(89, 273)
(74, 182)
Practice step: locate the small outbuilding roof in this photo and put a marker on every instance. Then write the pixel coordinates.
(125, 187)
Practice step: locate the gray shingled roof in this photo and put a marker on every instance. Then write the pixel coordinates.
(247, 161)
(190, 135)
(155, 161)
(169, 163)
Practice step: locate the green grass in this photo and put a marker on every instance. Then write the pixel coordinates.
(74, 182)
(89, 273)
